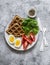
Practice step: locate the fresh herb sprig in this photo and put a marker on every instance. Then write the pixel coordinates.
(30, 25)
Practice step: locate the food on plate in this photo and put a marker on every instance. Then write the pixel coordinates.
(25, 28)
(30, 25)
(27, 40)
(11, 39)
(32, 37)
(15, 27)
(25, 45)
(17, 42)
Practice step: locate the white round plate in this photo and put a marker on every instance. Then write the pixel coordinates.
(21, 48)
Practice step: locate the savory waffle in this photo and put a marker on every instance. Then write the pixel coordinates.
(15, 27)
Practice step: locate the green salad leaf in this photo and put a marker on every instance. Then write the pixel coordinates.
(30, 25)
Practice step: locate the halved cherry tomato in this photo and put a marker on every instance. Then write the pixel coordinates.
(25, 45)
(23, 40)
(32, 37)
(27, 39)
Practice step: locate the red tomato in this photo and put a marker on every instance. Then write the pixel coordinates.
(25, 45)
(23, 40)
(32, 37)
(27, 39)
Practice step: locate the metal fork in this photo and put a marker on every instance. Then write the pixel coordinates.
(44, 41)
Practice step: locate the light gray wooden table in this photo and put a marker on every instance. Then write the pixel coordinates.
(9, 8)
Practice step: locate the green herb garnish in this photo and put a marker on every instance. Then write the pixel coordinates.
(30, 25)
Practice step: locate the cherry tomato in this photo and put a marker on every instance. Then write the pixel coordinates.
(25, 45)
(32, 37)
(27, 39)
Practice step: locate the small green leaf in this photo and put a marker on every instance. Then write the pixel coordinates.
(30, 25)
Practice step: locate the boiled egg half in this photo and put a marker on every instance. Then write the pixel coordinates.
(11, 39)
(17, 42)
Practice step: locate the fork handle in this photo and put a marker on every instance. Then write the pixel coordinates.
(45, 41)
(42, 46)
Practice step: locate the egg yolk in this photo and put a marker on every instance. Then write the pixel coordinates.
(11, 39)
(17, 42)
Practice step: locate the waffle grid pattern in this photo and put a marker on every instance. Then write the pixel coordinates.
(15, 27)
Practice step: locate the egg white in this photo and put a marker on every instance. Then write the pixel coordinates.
(15, 42)
(9, 40)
